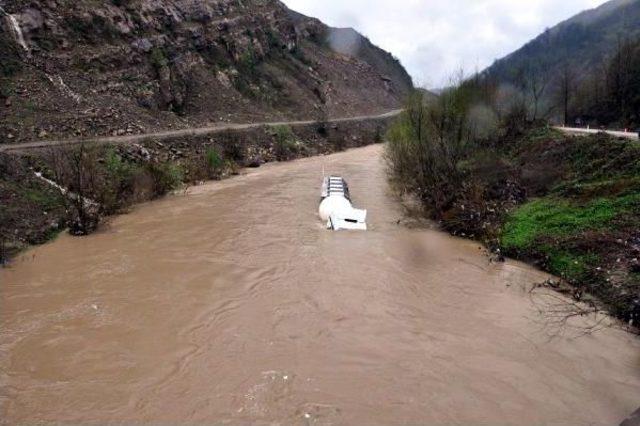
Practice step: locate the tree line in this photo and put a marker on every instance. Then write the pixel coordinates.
(607, 94)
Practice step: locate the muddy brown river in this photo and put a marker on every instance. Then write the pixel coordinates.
(231, 304)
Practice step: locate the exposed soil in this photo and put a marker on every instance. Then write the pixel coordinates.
(139, 66)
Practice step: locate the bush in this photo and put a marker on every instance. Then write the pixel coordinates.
(426, 145)
(10, 63)
(78, 170)
(4, 252)
(248, 62)
(119, 182)
(165, 176)
(285, 143)
(234, 149)
(158, 59)
(92, 27)
(211, 165)
(379, 135)
(337, 141)
(214, 161)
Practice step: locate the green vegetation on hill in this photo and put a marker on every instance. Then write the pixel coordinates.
(582, 42)
(613, 95)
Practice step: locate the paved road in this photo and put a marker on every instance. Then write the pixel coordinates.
(581, 131)
(167, 134)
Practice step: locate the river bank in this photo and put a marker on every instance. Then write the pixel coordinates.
(289, 322)
(566, 204)
(118, 175)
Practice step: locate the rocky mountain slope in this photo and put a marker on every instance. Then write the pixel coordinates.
(580, 44)
(74, 68)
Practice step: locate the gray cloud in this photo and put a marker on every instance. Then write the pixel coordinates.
(436, 38)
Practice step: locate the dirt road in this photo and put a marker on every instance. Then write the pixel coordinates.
(168, 134)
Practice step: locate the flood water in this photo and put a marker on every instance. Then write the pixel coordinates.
(232, 304)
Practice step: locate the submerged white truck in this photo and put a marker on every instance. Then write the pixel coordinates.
(336, 209)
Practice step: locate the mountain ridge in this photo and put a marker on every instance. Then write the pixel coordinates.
(131, 66)
(583, 41)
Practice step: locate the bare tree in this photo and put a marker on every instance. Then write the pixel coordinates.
(617, 75)
(76, 175)
(3, 254)
(560, 313)
(426, 145)
(621, 76)
(565, 90)
(598, 82)
(84, 177)
(534, 84)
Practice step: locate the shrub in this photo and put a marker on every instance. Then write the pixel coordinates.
(337, 141)
(214, 160)
(211, 165)
(46, 200)
(165, 176)
(119, 182)
(93, 27)
(233, 148)
(322, 128)
(78, 170)
(10, 63)
(425, 146)
(158, 59)
(285, 143)
(378, 137)
(248, 62)
(4, 253)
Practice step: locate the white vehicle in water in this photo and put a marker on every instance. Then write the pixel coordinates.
(336, 208)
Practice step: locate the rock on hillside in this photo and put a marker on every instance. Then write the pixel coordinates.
(82, 67)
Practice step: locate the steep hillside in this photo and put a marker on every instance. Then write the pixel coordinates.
(81, 67)
(580, 44)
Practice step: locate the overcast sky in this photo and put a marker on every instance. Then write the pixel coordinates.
(435, 38)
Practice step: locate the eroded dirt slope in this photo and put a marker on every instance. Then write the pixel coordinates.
(83, 68)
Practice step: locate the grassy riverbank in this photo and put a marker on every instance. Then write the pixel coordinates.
(575, 213)
(566, 204)
(584, 224)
